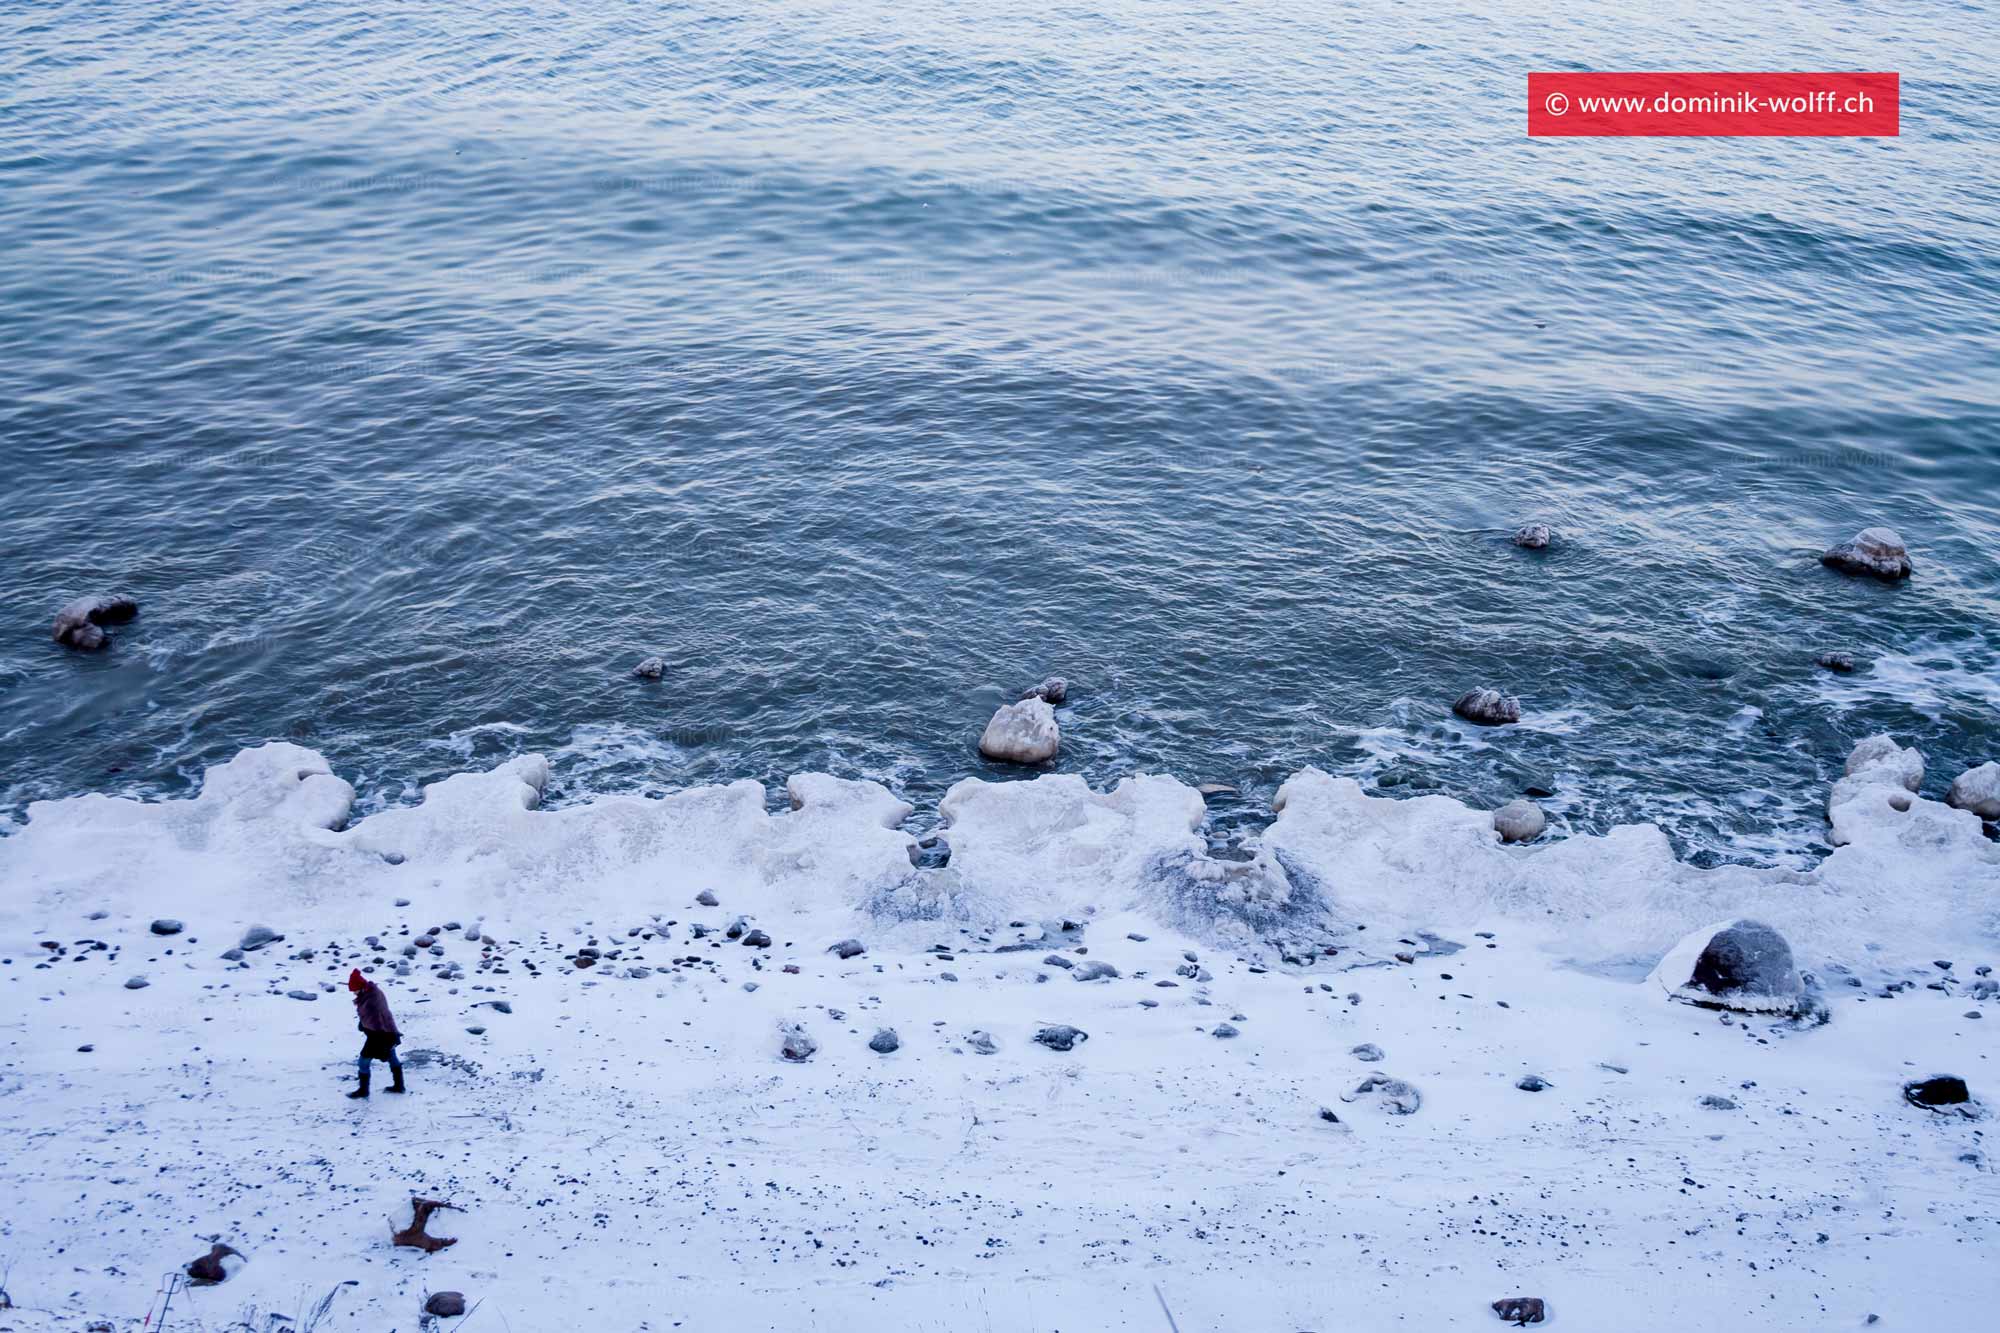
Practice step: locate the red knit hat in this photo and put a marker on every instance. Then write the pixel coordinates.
(355, 981)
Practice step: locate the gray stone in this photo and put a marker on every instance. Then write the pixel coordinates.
(1399, 1097)
(1094, 969)
(797, 1046)
(981, 1041)
(756, 939)
(303, 994)
(137, 983)
(848, 949)
(445, 1304)
(78, 624)
(166, 925)
(1713, 1102)
(1533, 1083)
(1875, 552)
(884, 1041)
(1052, 690)
(707, 898)
(1487, 707)
(1533, 536)
(1521, 1310)
(1367, 1051)
(258, 937)
(1225, 1031)
(652, 668)
(1838, 663)
(1060, 1036)
(1057, 960)
(1746, 959)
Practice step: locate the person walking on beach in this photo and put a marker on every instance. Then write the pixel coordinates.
(378, 1028)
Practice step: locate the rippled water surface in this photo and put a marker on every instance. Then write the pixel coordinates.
(422, 367)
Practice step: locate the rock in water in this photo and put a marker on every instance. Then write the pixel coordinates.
(1521, 1310)
(1742, 965)
(797, 1046)
(77, 624)
(1061, 1036)
(1977, 790)
(1053, 690)
(1519, 821)
(1877, 552)
(1839, 663)
(651, 669)
(1533, 536)
(1487, 707)
(1938, 1090)
(884, 1041)
(445, 1304)
(1022, 733)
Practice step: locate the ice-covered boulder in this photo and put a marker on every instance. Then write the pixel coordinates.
(1880, 780)
(78, 625)
(1876, 552)
(1743, 965)
(651, 668)
(1022, 733)
(1977, 790)
(1519, 821)
(1487, 707)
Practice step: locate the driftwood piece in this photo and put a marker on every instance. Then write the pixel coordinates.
(208, 1270)
(414, 1236)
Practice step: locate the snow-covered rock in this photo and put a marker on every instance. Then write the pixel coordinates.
(1519, 821)
(1533, 536)
(1743, 965)
(1880, 779)
(1488, 707)
(1977, 790)
(651, 668)
(1022, 733)
(1876, 552)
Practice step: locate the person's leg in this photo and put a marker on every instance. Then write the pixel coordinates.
(361, 1065)
(395, 1071)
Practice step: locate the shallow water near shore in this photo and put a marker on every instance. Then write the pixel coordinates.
(869, 366)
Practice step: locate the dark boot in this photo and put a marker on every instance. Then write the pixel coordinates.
(361, 1091)
(396, 1086)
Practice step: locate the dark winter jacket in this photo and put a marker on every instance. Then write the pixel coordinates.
(372, 1008)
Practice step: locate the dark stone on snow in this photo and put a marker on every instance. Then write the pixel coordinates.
(208, 1270)
(1938, 1090)
(1521, 1310)
(166, 925)
(1061, 1036)
(756, 939)
(257, 937)
(848, 948)
(884, 1041)
(1747, 959)
(1533, 1083)
(445, 1304)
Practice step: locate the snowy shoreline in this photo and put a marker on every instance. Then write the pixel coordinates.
(632, 1151)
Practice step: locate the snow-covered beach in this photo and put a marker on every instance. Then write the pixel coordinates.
(628, 1148)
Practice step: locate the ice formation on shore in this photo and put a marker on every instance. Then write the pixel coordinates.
(269, 836)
